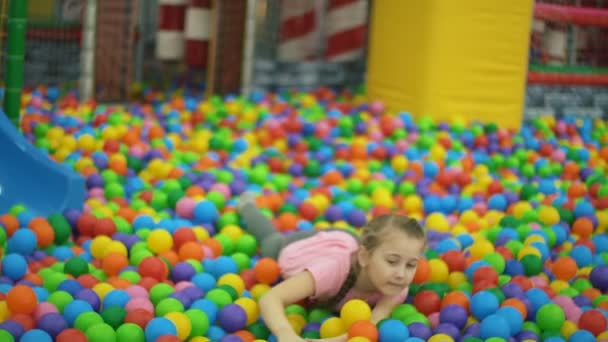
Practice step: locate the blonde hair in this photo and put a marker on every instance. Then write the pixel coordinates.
(371, 236)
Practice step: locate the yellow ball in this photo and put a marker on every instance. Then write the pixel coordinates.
(548, 215)
(455, 279)
(201, 233)
(520, 208)
(358, 339)
(355, 310)
(182, 324)
(603, 336)
(439, 270)
(481, 247)
(332, 327)
(382, 198)
(86, 142)
(102, 289)
(258, 290)
(115, 247)
(412, 204)
(234, 281)
(4, 313)
(160, 241)
(441, 338)
(201, 339)
(232, 231)
(297, 322)
(98, 246)
(399, 163)
(534, 238)
(437, 153)
(438, 222)
(459, 229)
(558, 285)
(568, 328)
(250, 307)
(468, 216)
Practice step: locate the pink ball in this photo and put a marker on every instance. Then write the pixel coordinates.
(538, 281)
(322, 130)
(43, 309)
(563, 301)
(402, 145)
(139, 303)
(185, 207)
(223, 189)
(558, 155)
(434, 319)
(376, 107)
(136, 291)
(208, 252)
(412, 137)
(480, 208)
(97, 193)
(376, 135)
(182, 285)
(573, 314)
(137, 151)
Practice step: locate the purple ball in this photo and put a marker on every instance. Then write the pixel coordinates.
(473, 330)
(94, 181)
(232, 318)
(6, 280)
(295, 170)
(312, 327)
(454, 315)
(183, 298)
(357, 218)
(53, 323)
(72, 215)
(13, 328)
(420, 330)
(90, 297)
(599, 277)
(333, 213)
(237, 186)
(231, 338)
(182, 271)
(526, 335)
(193, 292)
(581, 301)
(448, 329)
(511, 290)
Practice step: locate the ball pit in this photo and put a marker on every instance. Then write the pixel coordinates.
(517, 221)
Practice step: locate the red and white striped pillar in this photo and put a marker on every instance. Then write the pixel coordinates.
(299, 30)
(346, 29)
(170, 34)
(197, 32)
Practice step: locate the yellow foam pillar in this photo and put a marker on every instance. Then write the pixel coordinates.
(447, 58)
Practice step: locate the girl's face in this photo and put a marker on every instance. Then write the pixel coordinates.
(392, 264)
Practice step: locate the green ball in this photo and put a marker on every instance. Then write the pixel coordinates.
(168, 305)
(114, 190)
(528, 191)
(503, 279)
(312, 168)
(76, 267)
(228, 219)
(313, 335)
(130, 332)
(407, 188)
(132, 276)
(6, 336)
(228, 246)
(531, 326)
(533, 265)
(355, 186)
(495, 260)
(114, 316)
(160, 200)
(317, 315)
(417, 318)
(259, 330)
(403, 311)
(514, 246)
(296, 309)
(2, 237)
(86, 320)
(60, 299)
(217, 199)
(101, 332)
(581, 284)
(61, 227)
(199, 320)
(159, 292)
(243, 261)
(219, 296)
(230, 290)
(550, 317)
(472, 339)
(247, 244)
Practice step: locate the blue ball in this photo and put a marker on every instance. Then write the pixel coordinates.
(63, 253)
(392, 330)
(204, 281)
(206, 306)
(483, 304)
(513, 318)
(601, 243)
(494, 326)
(413, 339)
(216, 333)
(14, 266)
(158, 327)
(36, 335)
(537, 298)
(116, 298)
(223, 265)
(447, 245)
(22, 242)
(205, 212)
(497, 202)
(41, 293)
(70, 286)
(582, 336)
(582, 255)
(514, 268)
(74, 309)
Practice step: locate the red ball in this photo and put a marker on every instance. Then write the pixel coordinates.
(487, 274)
(427, 302)
(140, 317)
(153, 267)
(249, 278)
(593, 321)
(71, 335)
(183, 235)
(455, 260)
(104, 226)
(168, 338)
(86, 224)
(308, 211)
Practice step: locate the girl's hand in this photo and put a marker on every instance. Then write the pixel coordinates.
(341, 338)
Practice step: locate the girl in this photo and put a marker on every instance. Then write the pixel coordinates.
(330, 267)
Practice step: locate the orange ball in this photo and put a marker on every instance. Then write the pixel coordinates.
(564, 268)
(287, 222)
(26, 321)
(183, 235)
(10, 223)
(245, 335)
(21, 299)
(423, 271)
(113, 263)
(267, 271)
(583, 227)
(43, 231)
(365, 329)
(457, 298)
(168, 338)
(153, 267)
(191, 250)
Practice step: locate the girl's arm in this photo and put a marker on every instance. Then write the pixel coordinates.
(273, 303)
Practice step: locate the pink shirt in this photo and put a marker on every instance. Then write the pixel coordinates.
(327, 255)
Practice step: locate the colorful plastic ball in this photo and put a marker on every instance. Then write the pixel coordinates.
(232, 318)
(159, 326)
(427, 302)
(365, 329)
(23, 242)
(420, 330)
(483, 304)
(100, 332)
(130, 332)
(21, 299)
(392, 330)
(14, 266)
(453, 314)
(72, 335)
(593, 321)
(36, 335)
(355, 310)
(599, 277)
(332, 327)
(550, 317)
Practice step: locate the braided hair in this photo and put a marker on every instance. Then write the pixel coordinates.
(370, 239)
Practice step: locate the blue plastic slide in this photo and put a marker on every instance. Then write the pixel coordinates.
(30, 178)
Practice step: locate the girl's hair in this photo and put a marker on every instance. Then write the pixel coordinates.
(371, 239)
